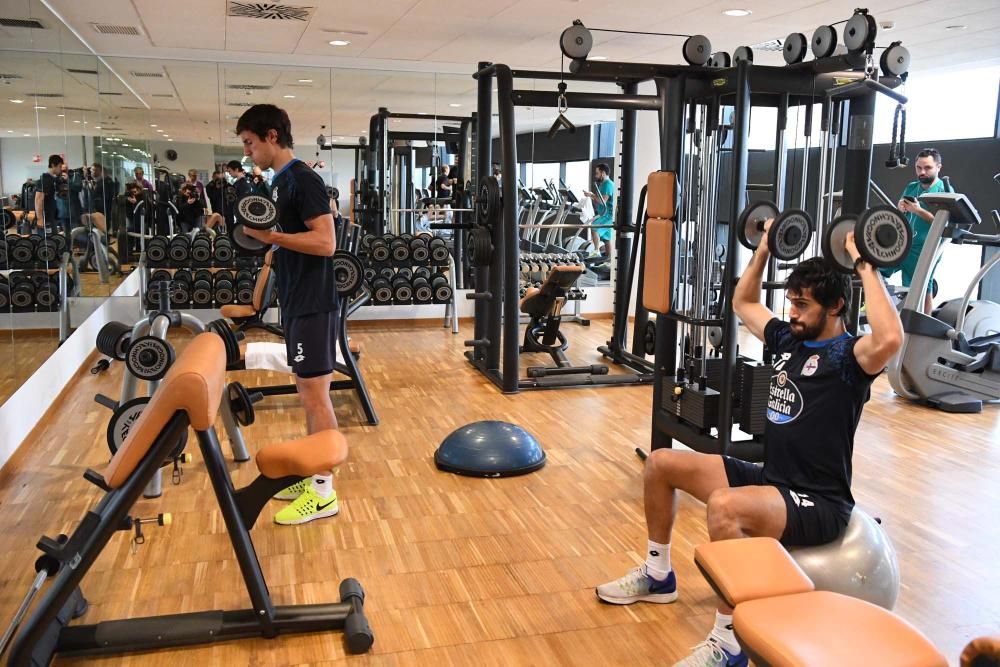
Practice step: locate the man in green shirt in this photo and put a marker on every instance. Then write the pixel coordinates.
(928, 166)
(604, 207)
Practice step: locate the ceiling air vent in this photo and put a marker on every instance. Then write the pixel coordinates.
(240, 104)
(162, 95)
(74, 70)
(10, 77)
(248, 86)
(22, 23)
(147, 75)
(270, 11)
(109, 92)
(108, 29)
(132, 108)
(78, 109)
(46, 94)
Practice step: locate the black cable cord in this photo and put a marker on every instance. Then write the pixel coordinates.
(637, 32)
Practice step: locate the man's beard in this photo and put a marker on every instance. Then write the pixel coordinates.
(801, 331)
(926, 180)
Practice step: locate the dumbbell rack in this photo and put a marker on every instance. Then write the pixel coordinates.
(60, 305)
(397, 267)
(534, 269)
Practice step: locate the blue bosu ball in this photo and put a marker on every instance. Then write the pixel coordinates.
(490, 449)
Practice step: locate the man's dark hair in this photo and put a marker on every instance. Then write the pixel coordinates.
(827, 284)
(235, 164)
(261, 118)
(603, 166)
(932, 153)
(55, 161)
(97, 166)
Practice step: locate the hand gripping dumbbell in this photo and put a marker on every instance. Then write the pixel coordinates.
(253, 212)
(788, 236)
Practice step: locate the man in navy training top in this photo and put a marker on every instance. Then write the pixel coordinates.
(802, 494)
(307, 294)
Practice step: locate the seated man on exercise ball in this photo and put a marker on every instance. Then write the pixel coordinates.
(802, 494)
(307, 292)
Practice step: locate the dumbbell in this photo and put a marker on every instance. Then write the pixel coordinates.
(179, 249)
(47, 250)
(3, 254)
(402, 291)
(406, 237)
(20, 249)
(882, 235)
(381, 291)
(254, 212)
(46, 290)
(400, 250)
(439, 251)
(422, 290)
(180, 288)
(419, 249)
(366, 241)
(441, 287)
(406, 272)
(225, 287)
(201, 250)
(201, 289)
(386, 272)
(788, 236)
(370, 274)
(22, 290)
(379, 250)
(156, 250)
(422, 272)
(4, 293)
(223, 250)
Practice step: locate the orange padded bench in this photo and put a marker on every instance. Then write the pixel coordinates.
(262, 292)
(780, 620)
(658, 260)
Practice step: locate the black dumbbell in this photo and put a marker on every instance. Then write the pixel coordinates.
(439, 251)
(400, 250)
(201, 289)
(158, 275)
(244, 292)
(406, 272)
(46, 290)
(180, 288)
(422, 272)
(370, 274)
(179, 249)
(422, 290)
(21, 250)
(156, 250)
(406, 237)
(4, 293)
(22, 290)
(223, 250)
(387, 273)
(225, 289)
(419, 249)
(441, 287)
(47, 250)
(381, 291)
(201, 250)
(402, 291)
(3, 255)
(379, 250)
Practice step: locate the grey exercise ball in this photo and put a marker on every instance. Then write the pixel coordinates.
(490, 449)
(861, 563)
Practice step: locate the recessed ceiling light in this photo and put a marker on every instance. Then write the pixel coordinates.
(737, 12)
(153, 125)
(289, 97)
(160, 131)
(97, 127)
(169, 139)
(339, 42)
(38, 107)
(305, 80)
(597, 57)
(26, 134)
(364, 131)
(17, 101)
(421, 113)
(10, 131)
(454, 105)
(61, 115)
(76, 121)
(955, 27)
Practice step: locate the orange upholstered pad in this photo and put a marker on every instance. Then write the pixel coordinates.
(235, 311)
(661, 194)
(824, 629)
(750, 568)
(311, 455)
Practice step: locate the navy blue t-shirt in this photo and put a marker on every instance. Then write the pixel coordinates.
(814, 406)
(306, 283)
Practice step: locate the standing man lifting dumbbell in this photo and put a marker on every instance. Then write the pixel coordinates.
(306, 284)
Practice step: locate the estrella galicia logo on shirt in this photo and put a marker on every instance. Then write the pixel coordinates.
(784, 403)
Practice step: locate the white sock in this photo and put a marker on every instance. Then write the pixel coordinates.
(658, 560)
(723, 632)
(323, 485)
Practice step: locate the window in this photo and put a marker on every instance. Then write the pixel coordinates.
(578, 176)
(943, 105)
(543, 171)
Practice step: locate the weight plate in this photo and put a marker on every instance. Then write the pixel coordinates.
(649, 338)
(883, 236)
(348, 272)
(240, 403)
(232, 344)
(895, 60)
(156, 252)
(789, 234)
(257, 212)
(750, 225)
(22, 251)
(824, 41)
(47, 251)
(121, 422)
(697, 50)
(421, 253)
(859, 32)
(795, 48)
(743, 53)
(833, 242)
(440, 254)
(201, 253)
(576, 41)
(249, 246)
(480, 246)
(489, 204)
(380, 252)
(149, 358)
(46, 296)
(720, 60)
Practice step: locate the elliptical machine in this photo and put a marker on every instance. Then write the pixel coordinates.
(950, 360)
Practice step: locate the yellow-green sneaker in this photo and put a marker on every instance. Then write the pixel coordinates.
(294, 491)
(308, 506)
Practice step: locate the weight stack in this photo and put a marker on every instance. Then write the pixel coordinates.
(697, 407)
(755, 383)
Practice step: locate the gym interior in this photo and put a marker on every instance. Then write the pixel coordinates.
(525, 197)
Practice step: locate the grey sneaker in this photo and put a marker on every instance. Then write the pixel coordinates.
(710, 653)
(638, 586)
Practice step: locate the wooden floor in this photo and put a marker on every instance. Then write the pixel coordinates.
(462, 571)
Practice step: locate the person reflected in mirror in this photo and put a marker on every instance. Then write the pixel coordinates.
(604, 208)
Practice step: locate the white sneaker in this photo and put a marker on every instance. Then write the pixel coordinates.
(710, 653)
(638, 586)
